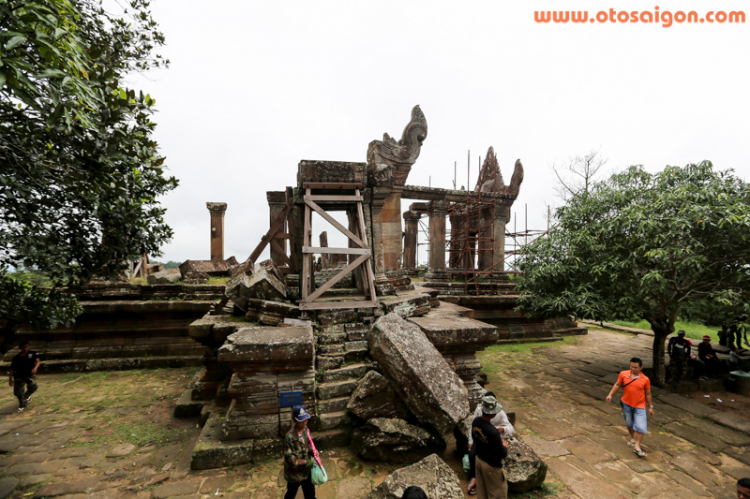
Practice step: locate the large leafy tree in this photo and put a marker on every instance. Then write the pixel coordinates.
(644, 245)
(79, 170)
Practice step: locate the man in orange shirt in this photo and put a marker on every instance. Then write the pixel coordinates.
(636, 393)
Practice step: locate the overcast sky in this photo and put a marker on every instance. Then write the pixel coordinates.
(254, 87)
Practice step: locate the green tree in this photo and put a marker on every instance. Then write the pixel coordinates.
(80, 172)
(643, 245)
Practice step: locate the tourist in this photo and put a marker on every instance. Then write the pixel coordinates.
(490, 452)
(743, 488)
(23, 370)
(714, 365)
(298, 456)
(414, 492)
(499, 421)
(636, 393)
(678, 349)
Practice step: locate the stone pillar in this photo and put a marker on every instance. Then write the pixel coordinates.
(276, 204)
(325, 261)
(502, 217)
(411, 226)
(485, 232)
(436, 271)
(217, 230)
(386, 238)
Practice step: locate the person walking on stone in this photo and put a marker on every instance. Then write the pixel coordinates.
(23, 369)
(490, 452)
(636, 394)
(298, 457)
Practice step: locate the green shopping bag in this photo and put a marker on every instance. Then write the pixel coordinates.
(319, 475)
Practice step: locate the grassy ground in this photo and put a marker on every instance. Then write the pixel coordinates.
(497, 357)
(693, 330)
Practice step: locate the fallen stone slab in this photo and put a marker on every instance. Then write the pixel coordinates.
(524, 469)
(431, 474)
(406, 305)
(218, 268)
(169, 276)
(420, 375)
(394, 440)
(266, 283)
(273, 313)
(374, 397)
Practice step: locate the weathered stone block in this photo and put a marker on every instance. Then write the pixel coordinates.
(524, 469)
(273, 313)
(269, 348)
(394, 440)
(431, 390)
(431, 474)
(217, 268)
(169, 276)
(267, 283)
(375, 398)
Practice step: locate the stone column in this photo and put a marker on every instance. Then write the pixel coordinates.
(436, 271)
(485, 232)
(411, 225)
(217, 230)
(325, 261)
(502, 217)
(386, 237)
(276, 204)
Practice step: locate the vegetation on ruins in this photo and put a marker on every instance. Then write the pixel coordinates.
(647, 246)
(80, 170)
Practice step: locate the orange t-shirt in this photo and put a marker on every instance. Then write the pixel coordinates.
(635, 393)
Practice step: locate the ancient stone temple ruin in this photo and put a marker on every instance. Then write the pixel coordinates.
(377, 359)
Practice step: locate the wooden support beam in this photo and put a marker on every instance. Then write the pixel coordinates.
(369, 273)
(320, 211)
(324, 197)
(277, 246)
(332, 185)
(333, 280)
(277, 223)
(306, 259)
(319, 250)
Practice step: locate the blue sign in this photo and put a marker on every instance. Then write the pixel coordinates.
(290, 399)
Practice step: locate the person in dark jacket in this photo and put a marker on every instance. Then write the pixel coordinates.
(678, 349)
(22, 372)
(490, 452)
(298, 457)
(714, 365)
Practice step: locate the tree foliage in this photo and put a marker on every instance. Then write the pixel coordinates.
(644, 245)
(81, 172)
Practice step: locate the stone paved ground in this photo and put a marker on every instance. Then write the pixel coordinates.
(112, 435)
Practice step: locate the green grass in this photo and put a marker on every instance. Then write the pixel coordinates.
(142, 434)
(218, 280)
(694, 330)
(529, 347)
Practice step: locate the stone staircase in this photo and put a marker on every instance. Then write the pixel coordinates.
(341, 361)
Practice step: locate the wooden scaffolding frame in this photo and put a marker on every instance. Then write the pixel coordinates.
(362, 251)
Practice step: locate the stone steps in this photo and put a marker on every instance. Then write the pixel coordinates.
(332, 405)
(331, 420)
(330, 439)
(329, 349)
(343, 373)
(330, 361)
(336, 389)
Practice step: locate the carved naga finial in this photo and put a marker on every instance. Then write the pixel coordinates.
(491, 180)
(404, 152)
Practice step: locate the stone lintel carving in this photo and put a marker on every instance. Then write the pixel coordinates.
(401, 154)
(220, 207)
